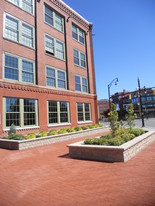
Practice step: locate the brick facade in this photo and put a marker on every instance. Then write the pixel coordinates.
(39, 91)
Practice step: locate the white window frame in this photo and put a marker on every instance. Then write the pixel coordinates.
(55, 48)
(20, 6)
(78, 34)
(79, 55)
(81, 85)
(56, 78)
(84, 118)
(19, 30)
(19, 68)
(21, 112)
(58, 113)
(54, 24)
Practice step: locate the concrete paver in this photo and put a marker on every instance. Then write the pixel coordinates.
(47, 176)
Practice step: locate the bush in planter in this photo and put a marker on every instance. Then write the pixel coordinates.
(13, 136)
(30, 136)
(85, 127)
(127, 137)
(69, 130)
(12, 129)
(42, 133)
(77, 128)
(113, 119)
(52, 132)
(91, 126)
(116, 141)
(101, 125)
(130, 116)
(62, 131)
(136, 131)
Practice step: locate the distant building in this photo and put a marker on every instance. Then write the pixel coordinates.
(103, 106)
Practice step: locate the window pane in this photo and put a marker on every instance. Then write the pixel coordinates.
(16, 2)
(27, 5)
(49, 44)
(50, 77)
(61, 80)
(11, 67)
(58, 22)
(87, 112)
(48, 15)
(29, 112)
(84, 84)
(63, 112)
(74, 32)
(53, 114)
(81, 36)
(83, 63)
(12, 112)
(27, 35)
(27, 71)
(59, 50)
(77, 83)
(76, 57)
(11, 28)
(80, 112)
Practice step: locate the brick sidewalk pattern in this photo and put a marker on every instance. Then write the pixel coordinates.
(47, 176)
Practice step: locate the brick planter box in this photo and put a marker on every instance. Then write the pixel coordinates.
(120, 153)
(25, 144)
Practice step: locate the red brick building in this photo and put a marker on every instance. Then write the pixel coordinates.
(103, 106)
(47, 77)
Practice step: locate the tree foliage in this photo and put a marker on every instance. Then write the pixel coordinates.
(131, 116)
(113, 119)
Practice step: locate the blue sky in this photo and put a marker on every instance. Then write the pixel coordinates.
(124, 41)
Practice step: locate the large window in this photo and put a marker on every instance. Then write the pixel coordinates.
(20, 112)
(83, 112)
(58, 112)
(17, 68)
(54, 47)
(55, 78)
(79, 58)
(54, 19)
(81, 84)
(27, 5)
(78, 34)
(18, 31)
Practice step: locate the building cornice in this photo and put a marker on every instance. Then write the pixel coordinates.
(40, 89)
(71, 13)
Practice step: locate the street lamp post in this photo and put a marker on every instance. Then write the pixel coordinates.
(140, 101)
(109, 85)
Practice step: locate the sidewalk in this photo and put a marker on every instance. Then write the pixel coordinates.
(46, 176)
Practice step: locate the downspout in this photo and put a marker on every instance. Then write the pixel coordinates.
(66, 54)
(87, 63)
(36, 44)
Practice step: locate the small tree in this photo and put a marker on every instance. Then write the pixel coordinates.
(113, 119)
(131, 116)
(12, 129)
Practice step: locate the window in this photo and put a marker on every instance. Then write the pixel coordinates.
(27, 5)
(19, 69)
(20, 112)
(54, 19)
(83, 112)
(27, 35)
(55, 78)
(79, 58)
(78, 34)
(58, 112)
(81, 84)
(54, 47)
(18, 31)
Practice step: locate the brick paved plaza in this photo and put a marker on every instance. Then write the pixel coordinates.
(46, 176)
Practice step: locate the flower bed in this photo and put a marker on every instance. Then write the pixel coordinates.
(120, 153)
(36, 141)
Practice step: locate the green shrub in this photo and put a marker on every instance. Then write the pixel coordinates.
(42, 133)
(127, 137)
(101, 125)
(85, 127)
(121, 131)
(15, 136)
(12, 129)
(91, 126)
(52, 132)
(77, 128)
(136, 131)
(38, 136)
(69, 130)
(108, 136)
(92, 141)
(96, 125)
(30, 136)
(116, 141)
(62, 131)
